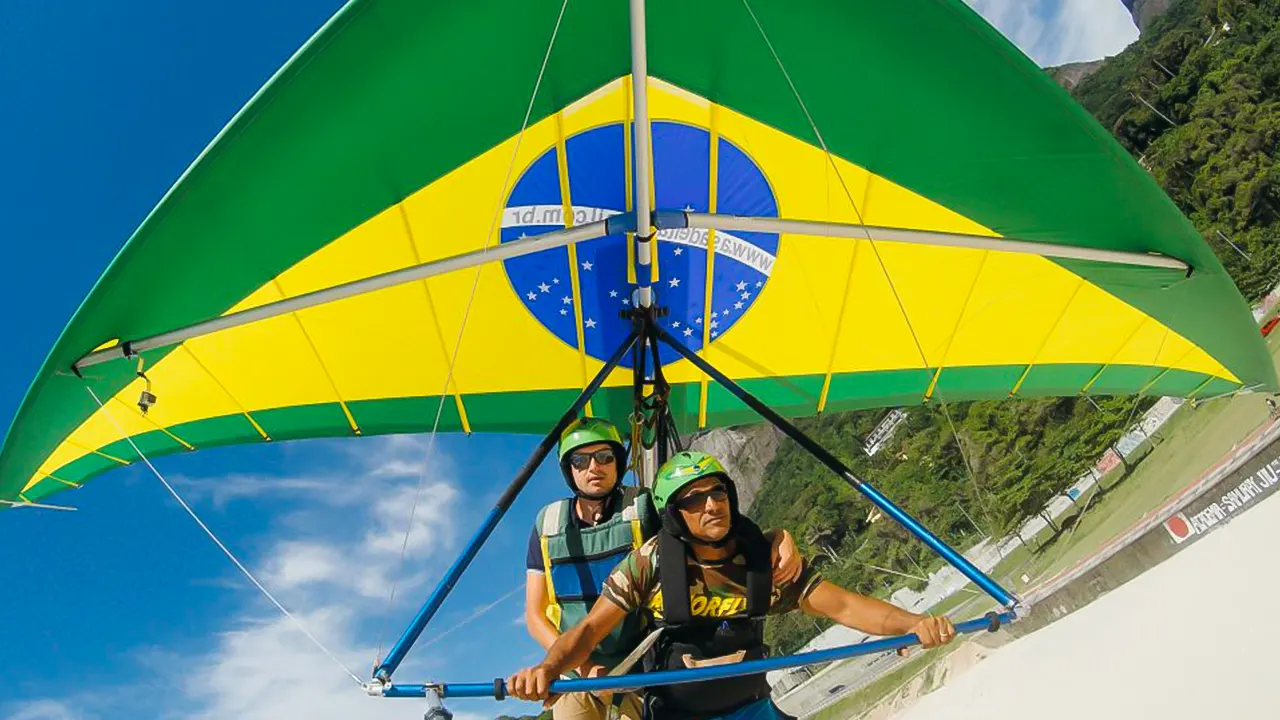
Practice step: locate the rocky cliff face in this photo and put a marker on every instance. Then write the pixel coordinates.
(745, 451)
(1144, 11)
(1070, 75)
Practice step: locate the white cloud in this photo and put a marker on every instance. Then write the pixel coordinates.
(46, 710)
(1090, 30)
(294, 564)
(226, 489)
(431, 518)
(333, 565)
(267, 669)
(1053, 32)
(1016, 19)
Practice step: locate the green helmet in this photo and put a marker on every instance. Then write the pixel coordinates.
(590, 431)
(587, 431)
(682, 469)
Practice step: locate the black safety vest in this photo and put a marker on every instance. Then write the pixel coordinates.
(687, 640)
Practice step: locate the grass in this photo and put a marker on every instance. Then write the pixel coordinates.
(1191, 442)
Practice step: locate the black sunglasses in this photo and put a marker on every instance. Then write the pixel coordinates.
(697, 501)
(582, 461)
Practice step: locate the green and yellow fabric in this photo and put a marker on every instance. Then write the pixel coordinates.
(394, 137)
(577, 560)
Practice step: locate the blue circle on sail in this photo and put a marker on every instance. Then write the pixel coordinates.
(596, 169)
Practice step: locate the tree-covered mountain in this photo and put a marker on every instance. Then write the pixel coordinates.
(1197, 100)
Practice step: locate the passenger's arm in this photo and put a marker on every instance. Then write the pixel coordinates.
(535, 610)
(784, 557)
(875, 617)
(572, 649)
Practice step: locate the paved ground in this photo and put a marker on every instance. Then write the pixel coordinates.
(1170, 645)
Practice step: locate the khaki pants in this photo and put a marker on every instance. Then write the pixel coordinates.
(585, 706)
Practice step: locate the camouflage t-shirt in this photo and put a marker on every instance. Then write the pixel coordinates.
(715, 589)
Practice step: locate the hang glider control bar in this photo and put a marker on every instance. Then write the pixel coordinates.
(616, 225)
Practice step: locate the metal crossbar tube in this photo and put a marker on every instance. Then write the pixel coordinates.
(397, 653)
(988, 623)
(745, 223)
(644, 152)
(505, 251)
(40, 506)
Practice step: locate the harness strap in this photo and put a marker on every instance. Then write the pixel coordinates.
(553, 610)
(673, 573)
(550, 523)
(673, 577)
(759, 573)
(631, 514)
(554, 517)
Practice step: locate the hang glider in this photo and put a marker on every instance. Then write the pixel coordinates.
(427, 221)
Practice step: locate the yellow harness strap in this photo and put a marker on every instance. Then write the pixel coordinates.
(553, 611)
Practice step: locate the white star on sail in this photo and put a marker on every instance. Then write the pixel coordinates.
(563, 311)
(587, 266)
(589, 323)
(566, 300)
(737, 305)
(674, 282)
(532, 295)
(688, 331)
(544, 287)
(613, 293)
(746, 296)
(742, 286)
(679, 251)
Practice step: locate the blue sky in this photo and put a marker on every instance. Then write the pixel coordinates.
(124, 608)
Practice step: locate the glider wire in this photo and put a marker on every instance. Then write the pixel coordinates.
(466, 314)
(226, 551)
(813, 125)
(968, 466)
(473, 616)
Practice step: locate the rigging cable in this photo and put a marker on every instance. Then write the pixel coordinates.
(813, 125)
(219, 543)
